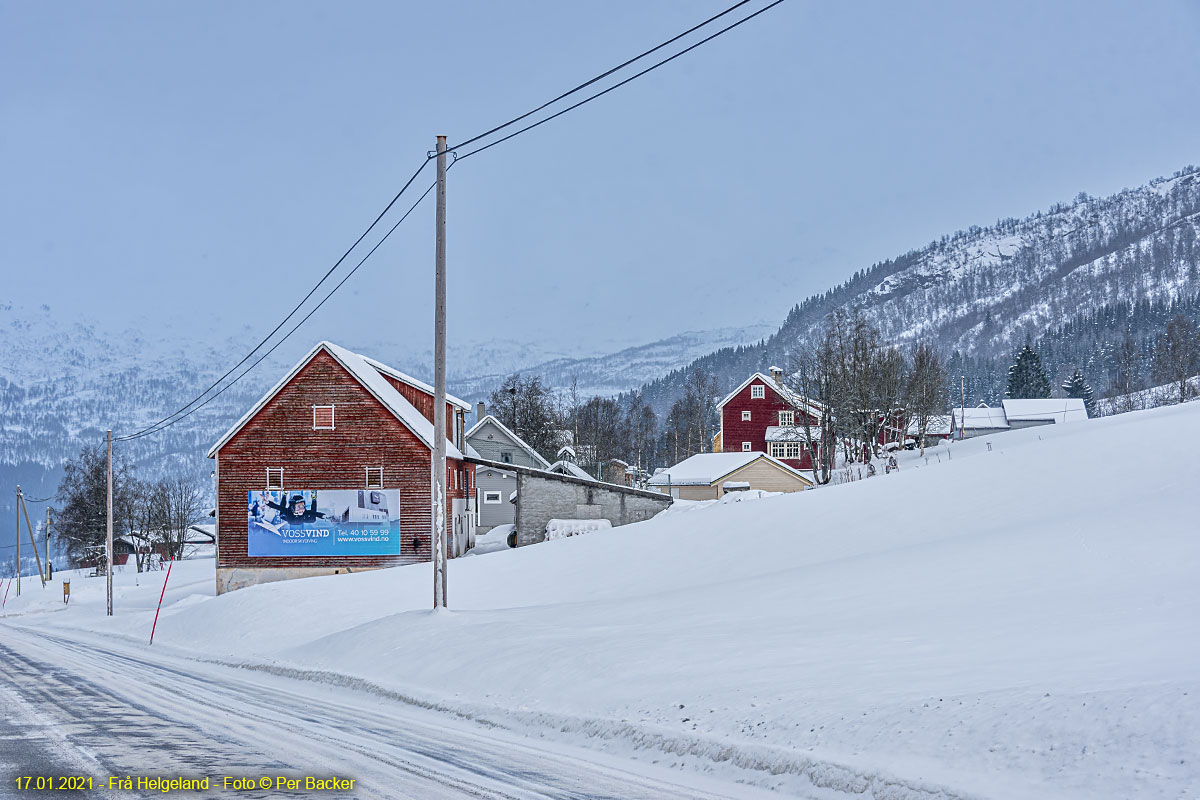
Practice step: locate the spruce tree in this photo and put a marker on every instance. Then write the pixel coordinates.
(1076, 386)
(1026, 378)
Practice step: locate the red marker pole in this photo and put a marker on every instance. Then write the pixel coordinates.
(7, 586)
(160, 599)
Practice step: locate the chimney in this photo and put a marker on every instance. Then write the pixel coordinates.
(479, 412)
(777, 374)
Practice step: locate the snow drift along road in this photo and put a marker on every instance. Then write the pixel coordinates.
(1019, 622)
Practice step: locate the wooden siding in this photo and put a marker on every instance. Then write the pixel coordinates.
(423, 402)
(367, 435)
(492, 448)
(762, 474)
(695, 492)
(764, 413)
(493, 514)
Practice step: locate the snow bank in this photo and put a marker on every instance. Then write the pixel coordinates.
(565, 528)
(1016, 620)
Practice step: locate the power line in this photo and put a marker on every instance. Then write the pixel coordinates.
(634, 77)
(291, 313)
(200, 401)
(599, 77)
(160, 426)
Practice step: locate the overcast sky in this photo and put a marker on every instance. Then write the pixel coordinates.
(210, 160)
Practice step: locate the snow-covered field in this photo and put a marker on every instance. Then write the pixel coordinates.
(1012, 622)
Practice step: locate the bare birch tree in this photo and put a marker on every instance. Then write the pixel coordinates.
(925, 389)
(182, 505)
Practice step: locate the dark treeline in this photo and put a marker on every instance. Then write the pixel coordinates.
(598, 430)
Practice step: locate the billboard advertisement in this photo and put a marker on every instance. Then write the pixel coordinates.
(326, 522)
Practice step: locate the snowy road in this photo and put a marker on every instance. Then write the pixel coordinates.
(98, 708)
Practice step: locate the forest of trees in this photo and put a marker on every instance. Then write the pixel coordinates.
(865, 384)
(154, 516)
(600, 429)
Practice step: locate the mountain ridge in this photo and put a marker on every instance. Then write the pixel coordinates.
(979, 293)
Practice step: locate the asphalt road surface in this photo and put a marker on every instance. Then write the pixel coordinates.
(101, 709)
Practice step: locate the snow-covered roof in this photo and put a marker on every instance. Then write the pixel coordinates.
(792, 433)
(392, 372)
(790, 397)
(981, 417)
(517, 440)
(938, 425)
(705, 469)
(569, 468)
(370, 378)
(1066, 409)
(489, 470)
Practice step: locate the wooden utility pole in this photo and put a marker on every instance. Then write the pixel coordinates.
(32, 541)
(109, 547)
(18, 540)
(438, 467)
(47, 539)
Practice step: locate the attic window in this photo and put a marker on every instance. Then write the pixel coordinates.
(274, 478)
(758, 391)
(374, 477)
(745, 416)
(322, 418)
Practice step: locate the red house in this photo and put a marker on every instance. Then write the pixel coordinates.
(329, 472)
(765, 415)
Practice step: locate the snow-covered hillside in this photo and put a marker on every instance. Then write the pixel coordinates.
(1013, 617)
(613, 373)
(64, 382)
(982, 291)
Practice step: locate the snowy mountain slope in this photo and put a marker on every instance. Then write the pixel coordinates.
(981, 292)
(64, 382)
(1012, 621)
(626, 369)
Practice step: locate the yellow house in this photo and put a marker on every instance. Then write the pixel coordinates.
(708, 476)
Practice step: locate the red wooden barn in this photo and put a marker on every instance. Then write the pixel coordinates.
(329, 472)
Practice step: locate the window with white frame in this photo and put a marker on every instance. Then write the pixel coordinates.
(745, 416)
(787, 418)
(785, 450)
(491, 498)
(322, 418)
(758, 391)
(745, 447)
(274, 478)
(374, 477)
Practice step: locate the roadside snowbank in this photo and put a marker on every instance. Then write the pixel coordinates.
(1012, 622)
